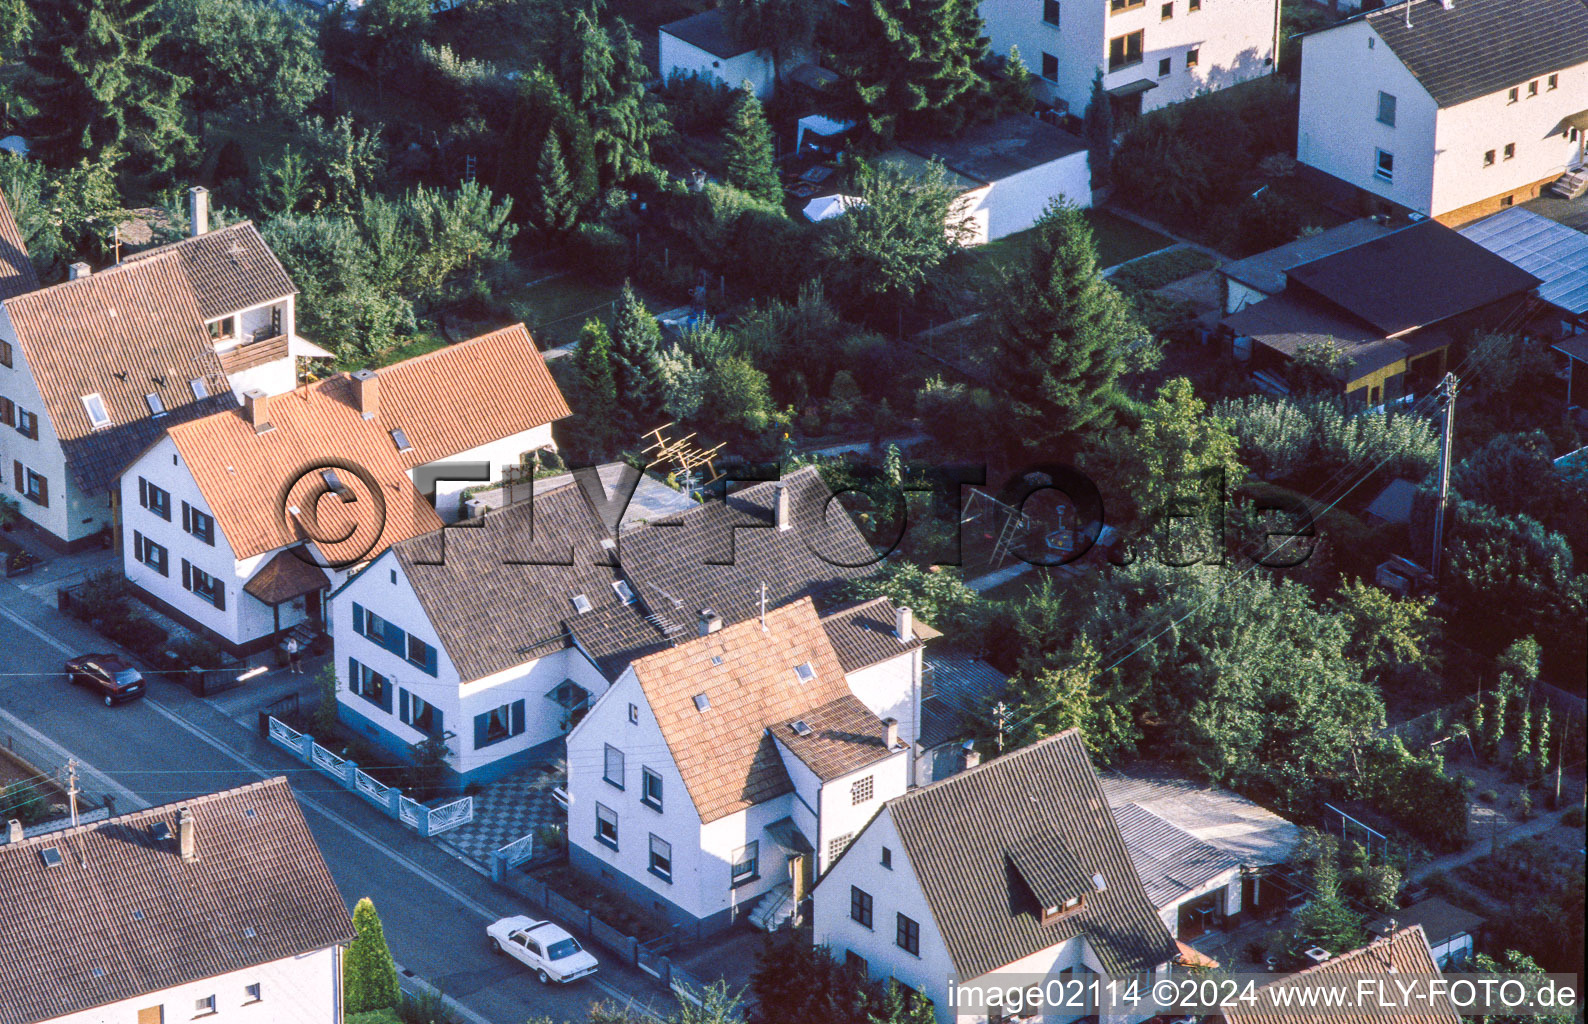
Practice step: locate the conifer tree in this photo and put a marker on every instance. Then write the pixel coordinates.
(1061, 336)
(636, 352)
(911, 66)
(1098, 126)
(369, 975)
(781, 29)
(747, 149)
(541, 112)
(597, 399)
(95, 89)
(603, 73)
(553, 207)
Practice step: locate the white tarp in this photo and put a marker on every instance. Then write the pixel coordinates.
(817, 124)
(824, 207)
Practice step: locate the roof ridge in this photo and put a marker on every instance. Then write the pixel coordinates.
(1002, 758)
(447, 349)
(95, 276)
(50, 838)
(1334, 961)
(857, 608)
(167, 247)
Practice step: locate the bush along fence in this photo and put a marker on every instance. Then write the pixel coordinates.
(427, 821)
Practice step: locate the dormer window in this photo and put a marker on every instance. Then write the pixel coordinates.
(156, 406)
(95, 406)
(223, 329)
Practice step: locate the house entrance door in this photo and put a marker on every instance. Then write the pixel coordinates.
(801, 867)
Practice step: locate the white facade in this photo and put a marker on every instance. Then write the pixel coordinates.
(1441, 159)
(304, 989)
(1017, 202)
(1233, 40)
(383, 589)
(679, 57)
(497, 454)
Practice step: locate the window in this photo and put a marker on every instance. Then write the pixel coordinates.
(661, 859)
(35, 488)
(1053, 913)
(862, 791)
(95, 407)
(1124, 51)
(805, 671)
(27, 423)
(1192, 6)
(836, 846)
(151, 1015)
(1192, 56)
(650, 788)
(155, 499)
(621, 588)
(606, 826)
(1050, 67)
(498, 724)
(1166, 12)
(702, 703)
(5, 346)
(860, 906)
(581, 603)
(908, 936)
(746, 864)
(251, 993)
(419, 713)
(421, 655)
(201, 583)
(1165, 65)
(1488, 158)
(634, 714)
(198, 388)
(203, 1005)
(156, 406)
(400, 439)
(8, 411)
(199, 524)
(1384, 166)
(1386, 109)
(1050, 11)
(223, 328)
(612, 768)
(1514, 95)
(1115, 6)
(369, 684)
(1553, 83)
(1507, 201)
(151, 554)
(887, 858)
(1532, 88)
(855, 964)
(1510, 150)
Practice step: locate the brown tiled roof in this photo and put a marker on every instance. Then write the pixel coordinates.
(288, 574)
(844, 737)
(1042, 806)
(441, 402)
(16, 270)
(1405, 953)
(231, 269)
(725, 755)
(122, 333)
(122, 915)
(863, 635)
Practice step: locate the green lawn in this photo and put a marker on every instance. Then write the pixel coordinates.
(1119, 239)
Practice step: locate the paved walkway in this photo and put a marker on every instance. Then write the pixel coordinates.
(1484, 846)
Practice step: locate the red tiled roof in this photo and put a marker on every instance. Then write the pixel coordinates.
(16, 270)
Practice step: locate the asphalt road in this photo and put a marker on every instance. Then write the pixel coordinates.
(172, 745)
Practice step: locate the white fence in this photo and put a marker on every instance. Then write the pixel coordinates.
(427, 821)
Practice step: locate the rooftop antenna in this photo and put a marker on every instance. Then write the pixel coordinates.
(1409, 13)
(763, 607)
(71, 787)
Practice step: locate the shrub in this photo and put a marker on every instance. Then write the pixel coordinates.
(368, 971)
(1286, 438)
(427, 1007)
(696, 104)
(1488, 796)
(1159, 269)
(1264, 222)
(599, 252)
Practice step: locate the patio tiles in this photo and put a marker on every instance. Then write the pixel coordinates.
(514, 806)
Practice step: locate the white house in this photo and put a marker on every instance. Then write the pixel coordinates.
(1012, 868)
(1152, 52)
(702, 45)
(498, 633)
(1007, 172)
(94, 369)
(731, 770)
(1449, 108)
(237, 522)
(219, 908)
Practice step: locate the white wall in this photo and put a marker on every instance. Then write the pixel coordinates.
(297, 990)
(1238, 296)
(841, 816)
(273, 378)
(1078, 41)
(686, 58)
(1229, 881)
(892, 689)
(531, 682)
(497, 454)
(1466, 131)
(1016, 202)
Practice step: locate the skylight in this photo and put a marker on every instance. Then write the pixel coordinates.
(160, 831)
(806, 671)
(248, 933)
(716, 659)
(335, 483)
(156, 406)
(199, 390)
(621, 588)
(702, 702)
(137, 915)
(581, 604)
(51, 856)
(95, 405)
(802, 728)
(400, 439)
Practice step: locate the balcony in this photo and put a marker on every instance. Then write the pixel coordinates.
(254, 351)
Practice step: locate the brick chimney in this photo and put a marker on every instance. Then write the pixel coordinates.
(708, 622)
(366, 393)
(890, 732)
(256, 407)
(186, 835)
(904, 625)
(78, 270)
(14, 832)
(198, 210)
(784, 518)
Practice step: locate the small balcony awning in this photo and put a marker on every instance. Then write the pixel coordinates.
(788, 835)
(1135, 88)
(1578, 121)
(288, 575)
(298, 345)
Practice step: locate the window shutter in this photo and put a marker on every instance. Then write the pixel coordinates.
(435, 721)
(518, 717)
(352, 675)
(396, 641)
(386, 701)
(137, 545)
(187, 517)
(44, 492)
(187, 575)
(7, 413)
(481, 724)
(430, 660)
(220, 599)
(358, 618)
(16, 467)
(402, 706)
(143, 492)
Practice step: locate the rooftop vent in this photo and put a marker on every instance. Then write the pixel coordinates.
(99, 972)
(702, 702)
(81, 270)
(137, 915)
(802, 728)
(581, 604)
(51, 856)
(248, 933)
(1317, 954)
(400, 439)
(806, 671)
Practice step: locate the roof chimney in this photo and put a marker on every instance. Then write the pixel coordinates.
(904, 625)
(474, 508)
(198, 210)
(77, 270)
(14, 833)
(1448, 5)
(709, 621)
(256, 407)
(186, 834)
(968, 757)
(890, 732)
(784, 520)
(366, 393)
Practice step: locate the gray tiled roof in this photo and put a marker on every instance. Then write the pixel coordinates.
(258, 892)
(864, 635)
(1477, 47)
(1171, 861)
(844, 737)
(231, 269)
(1219, 817)
(708, 31)
(961, 833)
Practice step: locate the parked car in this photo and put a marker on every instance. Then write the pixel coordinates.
(109, 675)
(1403, 577)
(550, 952)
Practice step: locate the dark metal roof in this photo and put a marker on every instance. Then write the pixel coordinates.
(231, 269)
(707, 30)
(258, 892)
(1411, 278)
(1477, 47)
(1266, 270)
(960, 835)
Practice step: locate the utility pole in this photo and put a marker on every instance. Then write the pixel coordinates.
(998, 713)
(1447, 400)
(71, 787)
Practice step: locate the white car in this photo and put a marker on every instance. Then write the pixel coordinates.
(550, 952)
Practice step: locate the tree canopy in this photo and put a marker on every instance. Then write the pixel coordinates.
(781, 29)
(911, 66)
(747, 150)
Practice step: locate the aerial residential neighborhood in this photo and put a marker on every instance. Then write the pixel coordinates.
(793, 511)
